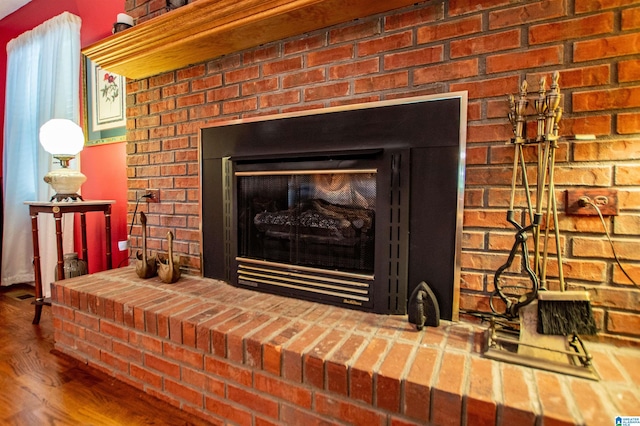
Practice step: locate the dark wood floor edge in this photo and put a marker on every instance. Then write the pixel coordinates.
(73, 360)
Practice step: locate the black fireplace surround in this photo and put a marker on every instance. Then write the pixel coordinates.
(352, 206)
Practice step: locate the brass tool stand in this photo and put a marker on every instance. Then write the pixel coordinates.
(502, 344)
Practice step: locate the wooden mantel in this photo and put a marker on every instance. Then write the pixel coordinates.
(207, 29)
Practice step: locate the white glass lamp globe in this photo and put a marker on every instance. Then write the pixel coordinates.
(63, 139)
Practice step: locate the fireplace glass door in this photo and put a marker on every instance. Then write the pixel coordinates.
(318, 219)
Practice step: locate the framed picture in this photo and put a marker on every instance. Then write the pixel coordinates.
(104, 99)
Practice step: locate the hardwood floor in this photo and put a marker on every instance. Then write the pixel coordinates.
(39, 387)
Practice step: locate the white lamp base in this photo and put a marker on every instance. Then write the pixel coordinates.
(66, 182)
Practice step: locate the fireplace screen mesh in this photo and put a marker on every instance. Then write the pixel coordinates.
(322, 219)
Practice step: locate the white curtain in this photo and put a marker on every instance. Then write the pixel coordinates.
(43, 82)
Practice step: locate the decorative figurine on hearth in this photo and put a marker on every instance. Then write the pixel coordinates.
(169, 268)
(146, 266)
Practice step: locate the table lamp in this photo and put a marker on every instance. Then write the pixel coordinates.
(63, 139)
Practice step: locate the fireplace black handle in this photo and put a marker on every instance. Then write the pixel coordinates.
(520, 243)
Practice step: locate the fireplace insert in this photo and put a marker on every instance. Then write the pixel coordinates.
(346, 206)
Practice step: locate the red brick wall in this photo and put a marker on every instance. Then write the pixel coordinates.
(485, 47)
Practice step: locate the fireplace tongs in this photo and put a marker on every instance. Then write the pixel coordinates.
(514, 303)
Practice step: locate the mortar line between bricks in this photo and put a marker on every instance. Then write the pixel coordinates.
(465, 388)
(606, 392)
(353, 359)
(357, 353)
(375, 371)
(248, 336)
(403, 377)
(498, 393)
(534, 397)
(436, 375)
(539, 420)
(271, 336)
(306, 349)
(290, 341)
(615, 361)
(565, 387)
(328, 355)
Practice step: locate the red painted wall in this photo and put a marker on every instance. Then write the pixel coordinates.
(104, 166)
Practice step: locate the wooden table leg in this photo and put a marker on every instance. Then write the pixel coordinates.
(107, 225)
(36, 268)
(58, 217)
(83, 228)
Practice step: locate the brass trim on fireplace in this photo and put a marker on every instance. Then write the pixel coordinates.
(247, 274)
(364, 277)
(355, 291)
(306, 172)
(309, 277)
(312, 290)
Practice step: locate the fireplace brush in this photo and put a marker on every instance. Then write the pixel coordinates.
(559, 312)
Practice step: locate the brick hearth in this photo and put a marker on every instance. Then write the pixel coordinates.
(228, 354)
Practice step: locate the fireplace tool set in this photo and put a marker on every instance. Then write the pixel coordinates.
(147, 266)
(539, 327)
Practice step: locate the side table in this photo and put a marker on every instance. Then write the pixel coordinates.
(58, 209)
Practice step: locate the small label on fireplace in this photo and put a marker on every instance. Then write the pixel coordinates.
(351, 302)
(249, 283)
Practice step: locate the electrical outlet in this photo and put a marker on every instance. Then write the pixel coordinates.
(578, 201)
(155, 195)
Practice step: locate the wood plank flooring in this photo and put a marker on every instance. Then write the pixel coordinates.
(40, 387)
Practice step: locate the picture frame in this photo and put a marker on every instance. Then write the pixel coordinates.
(104, 105)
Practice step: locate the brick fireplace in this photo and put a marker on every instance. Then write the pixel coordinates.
(484, 48)
(429, 48)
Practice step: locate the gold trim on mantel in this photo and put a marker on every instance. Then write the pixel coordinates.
(207, 29)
